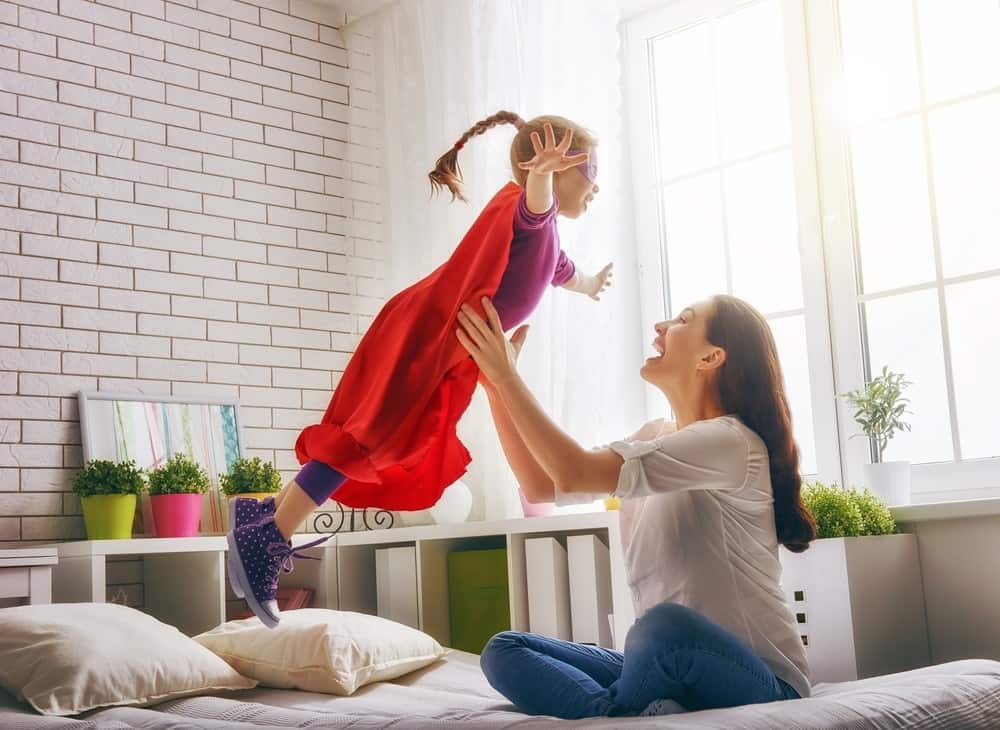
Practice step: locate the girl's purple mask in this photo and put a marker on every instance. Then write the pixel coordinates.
(589, 168)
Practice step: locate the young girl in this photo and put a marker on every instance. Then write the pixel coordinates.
(705, 503)
(388, 437)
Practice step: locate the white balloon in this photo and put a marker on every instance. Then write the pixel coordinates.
(454, 506)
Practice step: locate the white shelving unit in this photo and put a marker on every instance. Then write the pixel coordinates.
(355, 555)
(26, 575)
(183, 577)
(185, 582)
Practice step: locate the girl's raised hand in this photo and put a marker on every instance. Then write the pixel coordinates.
(551, 157)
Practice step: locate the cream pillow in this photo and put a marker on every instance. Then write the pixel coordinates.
(319, 650)
(66, 658)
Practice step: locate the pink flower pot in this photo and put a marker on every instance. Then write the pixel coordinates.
(176, 515)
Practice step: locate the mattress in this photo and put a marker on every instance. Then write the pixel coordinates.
(963, 694)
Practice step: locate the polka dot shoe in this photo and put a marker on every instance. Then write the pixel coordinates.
(261, 554)
(244, 511)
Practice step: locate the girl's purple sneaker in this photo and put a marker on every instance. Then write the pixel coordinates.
(245, 511)
(261, 554)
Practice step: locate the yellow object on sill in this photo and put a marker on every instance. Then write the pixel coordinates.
(612, 503)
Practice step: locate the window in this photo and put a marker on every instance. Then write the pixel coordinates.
(888, 126)
(724, 192)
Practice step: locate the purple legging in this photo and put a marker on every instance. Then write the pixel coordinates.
(319, 481)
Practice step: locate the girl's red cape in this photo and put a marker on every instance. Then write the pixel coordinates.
(390, 426)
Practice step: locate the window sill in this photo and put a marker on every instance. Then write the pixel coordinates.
(946, 510)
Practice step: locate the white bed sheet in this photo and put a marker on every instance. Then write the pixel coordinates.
(957, 695)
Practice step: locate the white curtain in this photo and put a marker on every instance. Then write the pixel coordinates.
(442, 65)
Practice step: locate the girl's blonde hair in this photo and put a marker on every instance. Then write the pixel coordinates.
(447, 173)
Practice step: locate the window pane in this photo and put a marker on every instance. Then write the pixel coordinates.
(685, 101)
(904, 333)
(959, 45)
(965, 149)
(880, 63)
(893, 210)
(696, 260)
(790, 337)
(975, 352)
(753, 96)
(763, 229)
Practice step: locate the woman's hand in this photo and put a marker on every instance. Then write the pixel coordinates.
(551, 157)
(485, 341)
(554, 460)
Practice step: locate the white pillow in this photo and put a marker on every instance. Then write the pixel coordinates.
(66, 658)
(320, 650)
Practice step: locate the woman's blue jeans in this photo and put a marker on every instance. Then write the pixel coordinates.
(671, 652)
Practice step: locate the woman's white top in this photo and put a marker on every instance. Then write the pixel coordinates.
(697, 526)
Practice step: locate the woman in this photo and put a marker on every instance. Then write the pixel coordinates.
(706, 500)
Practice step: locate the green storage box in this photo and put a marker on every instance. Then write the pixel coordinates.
(477, 597)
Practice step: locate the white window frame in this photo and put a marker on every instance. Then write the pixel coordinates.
(934, 482)
(638, 33)
(827, 234)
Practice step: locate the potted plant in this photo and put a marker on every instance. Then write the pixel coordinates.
(107, 492)
(879, 409)
(175, 493)
(251, 478)
(857, 592)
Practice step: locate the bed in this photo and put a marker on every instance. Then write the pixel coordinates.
(962, 694)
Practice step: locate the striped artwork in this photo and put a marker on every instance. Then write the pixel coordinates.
(150, 432)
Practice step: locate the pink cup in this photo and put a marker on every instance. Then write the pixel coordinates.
(176, 515)
(539, 509)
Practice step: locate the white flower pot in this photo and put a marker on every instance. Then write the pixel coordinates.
(859, 605)
(889, 481)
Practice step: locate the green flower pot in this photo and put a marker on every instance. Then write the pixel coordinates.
(109, 516)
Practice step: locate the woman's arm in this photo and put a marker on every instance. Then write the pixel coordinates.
(534, 481)
(570, 467)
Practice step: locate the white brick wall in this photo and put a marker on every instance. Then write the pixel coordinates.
(186, 207)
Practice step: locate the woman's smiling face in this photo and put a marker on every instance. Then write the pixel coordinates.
(680, 345)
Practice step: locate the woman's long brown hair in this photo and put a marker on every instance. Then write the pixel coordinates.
(751, 386)
(447, 173)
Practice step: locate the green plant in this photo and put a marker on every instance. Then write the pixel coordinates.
(250, 475)
(178, 475)
(101, 477)
(846, 512)
(835, 513)
(877, 518)
(879, 407)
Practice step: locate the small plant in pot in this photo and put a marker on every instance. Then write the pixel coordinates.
(175, 492)
(253, 478)
(108, 491)
(879, 409)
